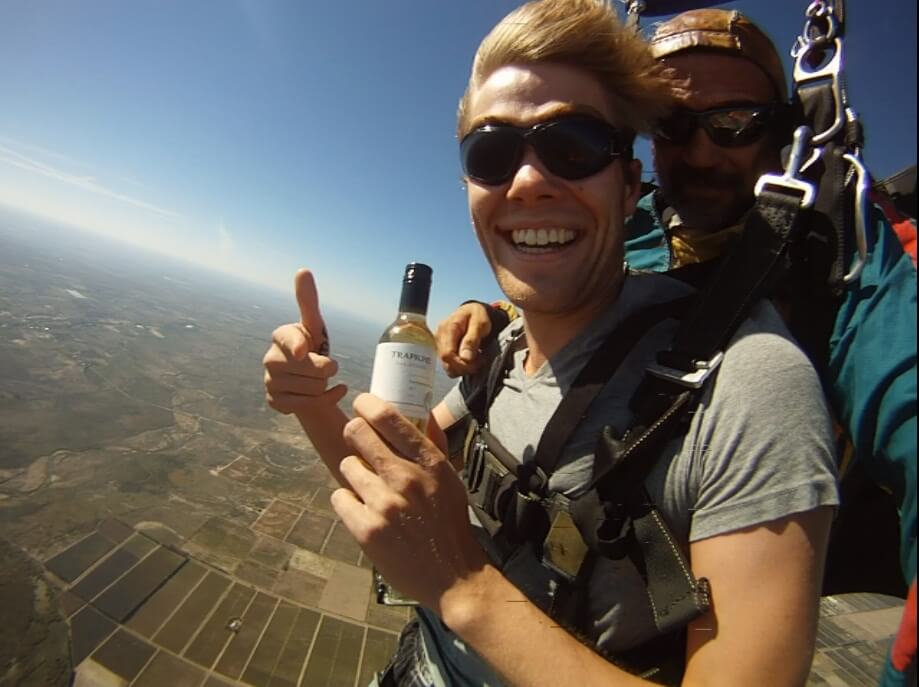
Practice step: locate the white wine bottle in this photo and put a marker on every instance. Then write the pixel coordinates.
(403, 368)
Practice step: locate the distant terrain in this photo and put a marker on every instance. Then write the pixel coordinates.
(159, 524)
(129, 381)
(136, 445)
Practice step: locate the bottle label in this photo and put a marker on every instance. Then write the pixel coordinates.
(403, 375)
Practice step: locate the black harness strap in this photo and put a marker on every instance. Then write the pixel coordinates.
(662, 403)
(746, 274)
(594, 376)
(619, 506)
(523, 518)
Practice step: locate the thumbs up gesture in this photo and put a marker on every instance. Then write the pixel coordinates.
(297, 366)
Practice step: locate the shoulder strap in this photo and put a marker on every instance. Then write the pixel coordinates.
(745, 275)
(594, 376)
(662, 402)
(480, 388)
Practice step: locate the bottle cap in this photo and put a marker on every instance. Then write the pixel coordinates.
(417, 273)
(416, 287)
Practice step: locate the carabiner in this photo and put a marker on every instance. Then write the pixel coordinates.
(820, 11)
(862, 187)
(813, 35)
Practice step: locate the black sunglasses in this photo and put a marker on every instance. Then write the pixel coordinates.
(728, 127)
(573, 147)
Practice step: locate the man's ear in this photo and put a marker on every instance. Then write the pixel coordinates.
(632, 173)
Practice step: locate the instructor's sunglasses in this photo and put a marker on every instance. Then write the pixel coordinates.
(728, 127)
(571, 148)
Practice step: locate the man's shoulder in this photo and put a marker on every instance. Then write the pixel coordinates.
(763, 364)
(645, 218)
(763, 334)
(646, 244)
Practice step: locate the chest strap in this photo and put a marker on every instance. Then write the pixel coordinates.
(495, 477)
(514, 504)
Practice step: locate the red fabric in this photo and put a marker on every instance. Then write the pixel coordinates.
(902, 225)
(906, 231)
(904, 644)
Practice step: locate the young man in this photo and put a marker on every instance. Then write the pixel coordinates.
(727, 130)
(729, 127)
(546, 123)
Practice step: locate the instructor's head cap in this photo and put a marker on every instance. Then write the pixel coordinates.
(726, 31)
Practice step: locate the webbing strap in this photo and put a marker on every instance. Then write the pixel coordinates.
(595, 374)
(675, 595)
(741, 279)
(744, 276)
(480, 389)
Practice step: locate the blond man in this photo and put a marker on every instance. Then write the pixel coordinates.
(557, 91)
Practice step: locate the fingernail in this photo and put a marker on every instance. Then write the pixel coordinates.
(467, 354)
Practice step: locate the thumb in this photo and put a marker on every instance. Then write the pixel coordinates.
(308, 302)
(476, 330)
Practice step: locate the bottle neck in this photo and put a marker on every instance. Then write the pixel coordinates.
(418, 318)
(414, 300)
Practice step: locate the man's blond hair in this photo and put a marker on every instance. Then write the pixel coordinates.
(584, 34)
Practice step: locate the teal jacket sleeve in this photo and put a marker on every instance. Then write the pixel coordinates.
(646, 246)
(872, 373)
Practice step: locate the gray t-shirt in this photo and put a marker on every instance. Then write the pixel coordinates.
(759, 448)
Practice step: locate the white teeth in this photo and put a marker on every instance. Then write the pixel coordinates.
(542, 237)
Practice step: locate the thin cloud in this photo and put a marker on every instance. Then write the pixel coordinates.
(32, 149)
(86, 183)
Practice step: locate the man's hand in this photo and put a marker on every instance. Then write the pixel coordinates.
(459, 337)
(406, 506)
(297, 367)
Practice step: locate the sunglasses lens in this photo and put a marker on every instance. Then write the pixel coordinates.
(726, 127)
(730, 128)
(571, 148)
(491, 154)
(575, 148)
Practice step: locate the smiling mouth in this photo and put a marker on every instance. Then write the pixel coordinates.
(543, 240)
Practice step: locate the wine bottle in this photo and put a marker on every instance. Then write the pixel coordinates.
(403, 367)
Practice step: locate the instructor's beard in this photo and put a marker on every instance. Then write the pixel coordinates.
(706, 199)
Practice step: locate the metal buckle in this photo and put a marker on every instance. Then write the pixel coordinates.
(388, 596)
(832, 72)
(475, 468)
(694, 379)
(789, 178)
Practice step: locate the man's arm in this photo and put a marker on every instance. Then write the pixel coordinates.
(409, 514)
(297, 376)
(765, 587)
(872, 374)
(466, 330)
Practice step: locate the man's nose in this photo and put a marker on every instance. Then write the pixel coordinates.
(532, 180)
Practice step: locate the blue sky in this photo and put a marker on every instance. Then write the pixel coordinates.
(257, 137)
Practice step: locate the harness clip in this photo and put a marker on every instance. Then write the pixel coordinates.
(789, 180)
(694, 379)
